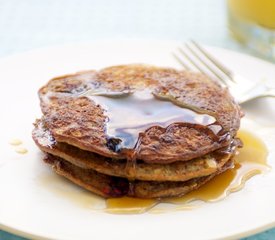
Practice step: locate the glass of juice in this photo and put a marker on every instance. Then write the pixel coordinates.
(252, 22)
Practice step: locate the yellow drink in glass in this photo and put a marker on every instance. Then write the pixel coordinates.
(253, 23)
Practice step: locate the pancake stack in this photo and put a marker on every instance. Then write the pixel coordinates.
(137, 130)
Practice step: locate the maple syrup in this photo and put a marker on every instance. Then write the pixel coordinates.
(250, 161)
(21, 150)
(15, 142)
(130, 114)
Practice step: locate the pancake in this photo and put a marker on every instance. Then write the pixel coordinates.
(177, 171)
(137, 130)
(77, 120)
(108, 186)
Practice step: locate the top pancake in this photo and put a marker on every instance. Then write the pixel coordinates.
(77, 120)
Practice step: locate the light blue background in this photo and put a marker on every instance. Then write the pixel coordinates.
(28, 24)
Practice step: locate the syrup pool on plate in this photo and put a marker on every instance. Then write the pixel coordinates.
(17, 144)
(250, 161)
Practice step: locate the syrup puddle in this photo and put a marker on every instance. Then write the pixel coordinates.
(127, 205)
(250, 161)
(21, 150)
(17, 144)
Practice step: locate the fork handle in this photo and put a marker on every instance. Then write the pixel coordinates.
(248, 97)
(270, 93)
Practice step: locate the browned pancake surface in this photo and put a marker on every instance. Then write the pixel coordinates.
(78, 121)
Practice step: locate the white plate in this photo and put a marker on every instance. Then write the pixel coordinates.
(36, 203)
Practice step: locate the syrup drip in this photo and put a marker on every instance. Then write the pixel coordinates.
(251, 160)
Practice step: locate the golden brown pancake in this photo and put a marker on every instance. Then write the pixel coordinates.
(77, 120)
(177, 130)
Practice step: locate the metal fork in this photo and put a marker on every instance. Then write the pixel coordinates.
(195, 57)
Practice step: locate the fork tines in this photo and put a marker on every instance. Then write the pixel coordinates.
(192, 56)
